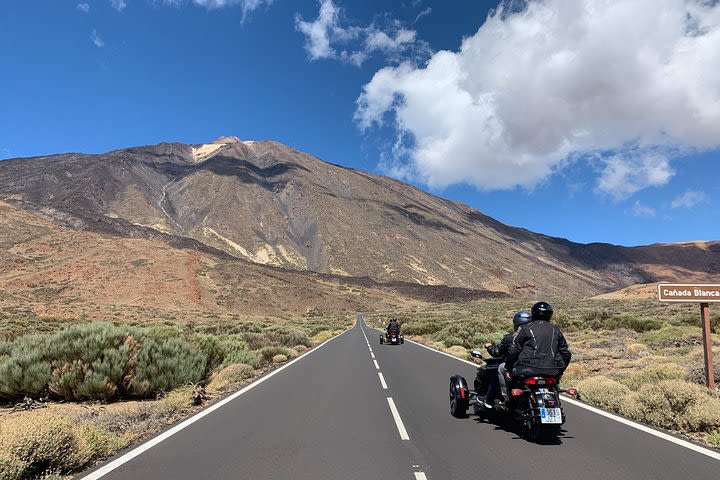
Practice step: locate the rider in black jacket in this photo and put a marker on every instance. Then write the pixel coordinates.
(393, 326)
(538, 348)
(500, 350)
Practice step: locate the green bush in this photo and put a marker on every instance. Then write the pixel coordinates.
(653, 374)
(638, 324)
(602, 392)
(267, 353)
(674, 404)
(25, 371)
(671, 335)
(223, 351)
(286, 336)
(101, 361)
(164, 364)
(449, 341)
(421, 328)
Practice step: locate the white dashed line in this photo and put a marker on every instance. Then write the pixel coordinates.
(372, 354)
(398, 421)
(382, 381)
(377, 367)
(420, 476)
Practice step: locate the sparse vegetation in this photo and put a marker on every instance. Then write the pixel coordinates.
(180, 364)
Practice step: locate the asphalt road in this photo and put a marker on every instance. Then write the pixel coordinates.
(328, 416)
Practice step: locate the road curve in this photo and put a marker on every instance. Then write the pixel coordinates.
(360, 410)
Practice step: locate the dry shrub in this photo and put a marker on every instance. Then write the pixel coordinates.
(603, 392)
(280, 358)
(292, 353)
(653, 374)
(674, 404)
(300, 348)
(101, 442)
(638, 350)
(11, 467)
(321, 337)
(575, 372)
(43, 442)
(235, 373)
(457, 351)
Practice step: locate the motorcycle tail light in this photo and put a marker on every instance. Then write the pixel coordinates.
(540, 381)
(516, 392)
(571, 391)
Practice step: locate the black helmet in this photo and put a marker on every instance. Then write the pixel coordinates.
(522, 317)
(542, 311)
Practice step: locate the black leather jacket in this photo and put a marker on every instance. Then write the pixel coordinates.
(538, 346)
(393, 326)
(500, 350)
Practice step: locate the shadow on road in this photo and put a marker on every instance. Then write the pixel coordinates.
(501, 423)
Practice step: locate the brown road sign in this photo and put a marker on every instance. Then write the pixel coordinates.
(702, 293)
(689, 292)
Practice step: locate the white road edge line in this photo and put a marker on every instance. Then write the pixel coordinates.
(625, 421)
(101, 472)
(420, 476)
(382, 380)
(398, 421)
(377, 367)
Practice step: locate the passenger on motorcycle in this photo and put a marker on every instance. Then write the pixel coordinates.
(538, 348)
(393, 326)
(500, 350)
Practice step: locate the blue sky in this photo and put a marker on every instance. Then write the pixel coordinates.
(570, 118)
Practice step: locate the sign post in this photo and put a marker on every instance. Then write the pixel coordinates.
(702, 294)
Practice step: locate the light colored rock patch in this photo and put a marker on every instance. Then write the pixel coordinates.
(266, 255)
(203, 152)
(209, 232)
(291, 257)
(339, 271)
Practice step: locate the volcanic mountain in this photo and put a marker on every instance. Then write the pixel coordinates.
(267, 203)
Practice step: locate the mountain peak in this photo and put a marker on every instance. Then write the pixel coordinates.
(226, 140)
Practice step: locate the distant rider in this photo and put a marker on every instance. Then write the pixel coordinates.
(500, 350)
(393, 326)
(538, 348)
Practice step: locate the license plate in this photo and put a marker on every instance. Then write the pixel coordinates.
(550, 415)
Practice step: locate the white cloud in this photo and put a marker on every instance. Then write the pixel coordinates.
(95, 37)
(689, 199)
(630, 83)
(247, 5)
(327, 38)
(83, 7)
(626, 173)
(118, 5)
(640, 210)
(420, 15)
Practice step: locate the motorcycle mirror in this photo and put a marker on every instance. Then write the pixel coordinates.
(476, 354)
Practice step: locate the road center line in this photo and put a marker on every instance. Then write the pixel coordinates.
(377, 367)
(372, 354)
(398, 421)
(420, 476)
(382, 381)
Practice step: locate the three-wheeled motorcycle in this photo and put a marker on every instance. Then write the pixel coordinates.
(535, 403)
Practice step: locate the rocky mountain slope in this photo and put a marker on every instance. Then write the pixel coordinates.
(269, 204)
